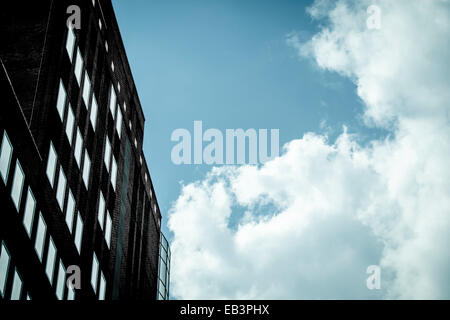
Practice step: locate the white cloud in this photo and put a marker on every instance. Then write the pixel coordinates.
(318, 215)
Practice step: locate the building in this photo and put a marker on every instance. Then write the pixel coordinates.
(77, 199)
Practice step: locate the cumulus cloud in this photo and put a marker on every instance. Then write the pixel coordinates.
(308, 223)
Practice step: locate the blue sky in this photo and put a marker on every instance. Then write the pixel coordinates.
(226, 63)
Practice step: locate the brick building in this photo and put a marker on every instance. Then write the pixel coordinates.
(75, 189)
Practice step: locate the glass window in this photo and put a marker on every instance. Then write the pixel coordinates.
(70, 212)
(71, 294)
(70, 42)
(86, 169)
(17, 287)
(107, 153)
(78, 147)
(79, 232)
(101, 210)
(60, 284)
(112, 102)
(5, 157)
(70, 124)
(86, 90)
(4, 267)
(94, 110)
(28, 215)
(61, 189)
(40, 237)
(108, 229)
(78, 66)
(114, 173)
(61, 101)
(94, 273)
(119, 122)
(51, 164)
(51, 259)
(101, 295)
(16, 190)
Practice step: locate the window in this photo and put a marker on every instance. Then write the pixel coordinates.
(94, 273)
(4, 267)
(40, 237)
(70, 211)
(61, 189)
(107, 153)
(70, 42)
(94, 110)
(61, 101)
(114, 173)
(86, 169)
(108, 229)
(16, 190)
(17, 287)
(71, 293)
(60, 284)
(51, 259)
(112, 101)
(119, 122)
(101, 210)
(101, 295)
(28, 215)
(78, 66)
(51, 164)
(70, 124)
(5, 157)
(78, 147)
(86, 90)
(79, 232)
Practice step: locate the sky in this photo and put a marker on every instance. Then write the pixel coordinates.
(362, 178)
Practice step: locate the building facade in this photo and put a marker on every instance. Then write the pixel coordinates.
(77, 201)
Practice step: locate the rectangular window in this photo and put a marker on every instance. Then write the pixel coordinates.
(86, 169)
(101, 210)
(16, 190)
(101, 295)
(51, 164)
(70, 42)
(107, 153)
(28, 215)
(61, 101)
(94, 273)
(79, 232)
(112, 102)
(94, 110)
(61, 189)
(114, 173)
(78, 66)
(108, 229)
(5, 157)
(86, 90)
(4, 267)
(61, 282)
(51, 259)
(78, 147)
(70, 124)
(70, 212)
(70, 293)
(40, 237)
(17, 287)
(119, 122)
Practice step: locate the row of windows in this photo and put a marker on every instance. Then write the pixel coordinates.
(86, 94)
(17, 285)
(71, 215)
(163, 269)
(29, 214)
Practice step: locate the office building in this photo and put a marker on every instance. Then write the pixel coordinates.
(76, 194)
